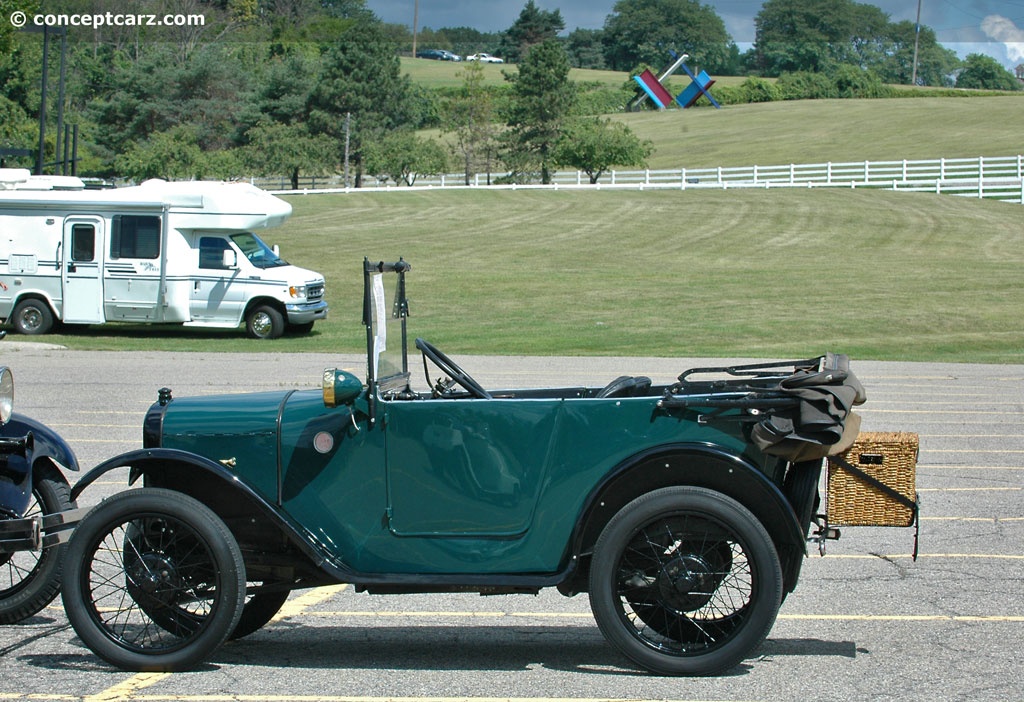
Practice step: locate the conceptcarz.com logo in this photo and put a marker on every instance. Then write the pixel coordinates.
(20, 19)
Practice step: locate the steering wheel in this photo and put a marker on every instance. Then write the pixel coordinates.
(451, 369)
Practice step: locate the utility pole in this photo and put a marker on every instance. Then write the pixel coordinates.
(348, 134)
(415, 24)
(917, 38)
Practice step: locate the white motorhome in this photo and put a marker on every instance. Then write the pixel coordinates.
(180, 253)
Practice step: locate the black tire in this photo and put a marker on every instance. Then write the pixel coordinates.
(29, 580)
(153, 581)
(264, 322)
(257, 611)
(685, 581)
(32, 317)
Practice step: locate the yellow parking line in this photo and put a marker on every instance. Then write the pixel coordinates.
(889, 557)
(300, 604)
(127, 688)
(987, 520)
(339, 698)
(973, 489)
(901, 618)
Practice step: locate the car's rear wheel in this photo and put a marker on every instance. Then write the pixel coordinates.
(32, 317)
(153, 581)
(29, 580)
(685, 581)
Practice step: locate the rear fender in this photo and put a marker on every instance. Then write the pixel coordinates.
(697, 465)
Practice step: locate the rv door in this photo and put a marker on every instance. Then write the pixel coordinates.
(82, 270)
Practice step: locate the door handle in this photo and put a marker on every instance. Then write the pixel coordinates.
(72, 268)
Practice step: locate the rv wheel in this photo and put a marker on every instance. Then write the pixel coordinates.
(32, 317)
(264, 322)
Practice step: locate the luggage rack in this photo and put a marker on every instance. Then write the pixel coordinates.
(754, 387)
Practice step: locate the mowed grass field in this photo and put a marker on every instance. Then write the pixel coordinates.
(779, 273)
(875, 274)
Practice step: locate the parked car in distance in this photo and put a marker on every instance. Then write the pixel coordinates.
(438, 55)
(36, 510)
(485, 58)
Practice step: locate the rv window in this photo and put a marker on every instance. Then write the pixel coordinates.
(135, 236)
(211, 252)
(83, 242)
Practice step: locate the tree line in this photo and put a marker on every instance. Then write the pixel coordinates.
(315, 87)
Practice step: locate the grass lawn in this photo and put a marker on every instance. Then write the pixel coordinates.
(874, 274)
(818, 131)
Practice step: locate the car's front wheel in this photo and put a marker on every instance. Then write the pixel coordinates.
(685, 581)
(153, 581)
(265, 322)
(29, 580)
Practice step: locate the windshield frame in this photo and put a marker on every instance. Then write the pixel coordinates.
(385, 309)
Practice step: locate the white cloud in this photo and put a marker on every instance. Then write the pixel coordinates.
(1004, 30)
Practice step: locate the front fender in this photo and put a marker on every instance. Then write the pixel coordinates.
(47, 442)
(195, 470)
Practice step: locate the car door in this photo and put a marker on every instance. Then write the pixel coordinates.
(82, 270)
(216, 294)
(466, 467)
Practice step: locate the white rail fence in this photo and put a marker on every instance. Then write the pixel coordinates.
(998, 178)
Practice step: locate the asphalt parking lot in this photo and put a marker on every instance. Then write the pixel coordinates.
(866, 621)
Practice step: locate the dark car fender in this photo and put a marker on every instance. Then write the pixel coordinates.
(16, 488)
(207, 481)
(46, 442)
(698, 465)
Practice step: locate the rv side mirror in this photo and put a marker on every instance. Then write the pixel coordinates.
(276, 249)
(340, 387)
(230, 259)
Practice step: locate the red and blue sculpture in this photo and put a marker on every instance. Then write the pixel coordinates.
(655, 90)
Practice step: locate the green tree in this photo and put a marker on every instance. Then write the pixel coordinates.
(402, 156)
(586, 48)
(275, 148)
(173, 155)
(542, 100)
(595, 145)
(360, 75)
(935, 63)
(646, 31)
(819, 35)
(985, 73)
(470, 118)
(532, 27)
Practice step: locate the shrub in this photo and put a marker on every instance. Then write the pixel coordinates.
(805, 85)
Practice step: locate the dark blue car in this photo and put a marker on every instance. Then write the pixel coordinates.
(35, 509)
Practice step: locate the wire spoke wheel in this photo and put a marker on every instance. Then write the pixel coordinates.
(685, 581)
(154, 581)
(30, 580)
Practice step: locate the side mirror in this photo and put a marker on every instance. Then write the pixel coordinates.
(276, 249)
(340, 387)
(6, 395)
(230, 259)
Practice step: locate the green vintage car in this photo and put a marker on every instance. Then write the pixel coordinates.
(683, 510)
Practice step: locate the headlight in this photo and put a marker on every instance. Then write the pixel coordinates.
(297, 291)
(6, 394)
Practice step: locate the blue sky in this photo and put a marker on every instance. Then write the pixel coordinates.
(992, 27)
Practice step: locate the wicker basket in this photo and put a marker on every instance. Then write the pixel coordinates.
(890, 457)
